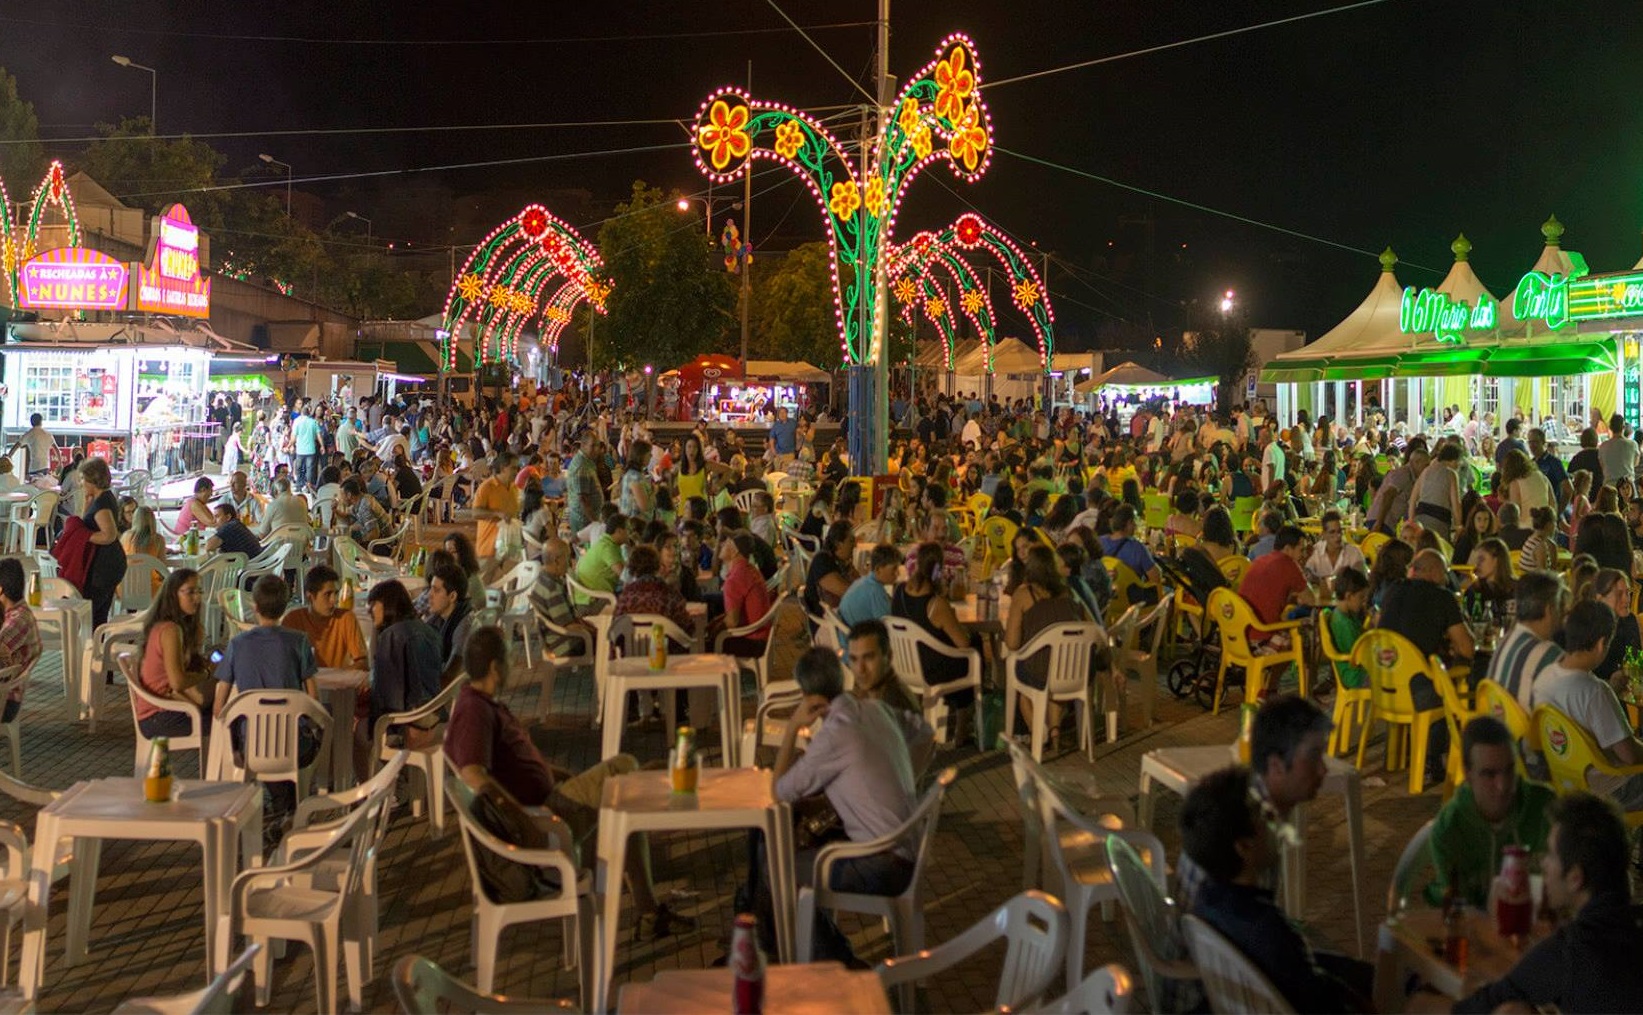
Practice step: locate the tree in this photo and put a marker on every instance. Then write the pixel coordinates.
(668, 303)
(793, 316)
(22, 161)
(151, 173)
(1226, 351)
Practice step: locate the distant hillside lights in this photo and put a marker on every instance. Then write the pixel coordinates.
(1431, 312)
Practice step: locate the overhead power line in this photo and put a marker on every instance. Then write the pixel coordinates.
(127, 29)
(1181, 42)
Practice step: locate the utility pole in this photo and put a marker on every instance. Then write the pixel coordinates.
(747, 243)
(881, 270)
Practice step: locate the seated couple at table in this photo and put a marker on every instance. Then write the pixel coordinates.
(864, 756)
(495, 757)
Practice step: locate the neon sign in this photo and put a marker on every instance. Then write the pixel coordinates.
(1602, 296)
(73, 278)
(1429, 311)
(171, 283)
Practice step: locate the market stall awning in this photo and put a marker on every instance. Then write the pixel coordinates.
(799, 372)
(1013, 356)
(1584, 355)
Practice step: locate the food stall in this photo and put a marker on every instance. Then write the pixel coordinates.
(140, 405)
(1131, 386)
(328, 379)
(704, 382)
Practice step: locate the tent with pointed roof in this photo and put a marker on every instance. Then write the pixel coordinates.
(1364, 344)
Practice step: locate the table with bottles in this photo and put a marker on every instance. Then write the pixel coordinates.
(1417, 941)
(798, 989)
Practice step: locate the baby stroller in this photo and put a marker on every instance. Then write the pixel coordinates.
(1194, 673)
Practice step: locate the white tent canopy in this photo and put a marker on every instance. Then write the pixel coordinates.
(1129, 375)
(799, 372)
(1374, 328)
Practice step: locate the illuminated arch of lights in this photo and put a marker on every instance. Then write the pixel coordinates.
(533, 267)
(17, 247)
(919, 266)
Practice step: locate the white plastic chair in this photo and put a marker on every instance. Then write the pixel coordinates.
(1034, 928)
(544, 676)
(832, 633)
(216, 998)
(1077, 848)
(905, 912)
(744, 501)
(388, 547)
(220, 571)
(1415, 860)
(573, 905)
(285, 903)
(1075, 786)
(760, 664)
(1138, 658)
(769, 723)
(194, 740)
(324, 508)
(516, 614)
(29, 519)
(1231, 981)
(360, 919)
(270, 740)
(237, 612)
(14, 678)
(425, 758)
(14, 890)
(1107, 991)
(137, 587)
(1150, 920)
(423, 988)
(585, 594)
(272, 560)
(1068, 647)
(906, 638)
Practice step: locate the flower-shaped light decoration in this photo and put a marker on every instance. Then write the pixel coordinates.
(921, 142)
(557, 315)
(905, 290)
(972, 301)
(968, 230)
(534, 221)
(955, 83)
(500, 296)
(935, 308)
(724, 137)
(908, 118)
(471, 287)
(969, 140)
(876, 202)
(597, 292)
(1026, 294)
(789, 139)
(845, 200)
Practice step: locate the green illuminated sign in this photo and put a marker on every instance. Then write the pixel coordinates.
(1429, 311)
(1603, 296)
(1550, 298)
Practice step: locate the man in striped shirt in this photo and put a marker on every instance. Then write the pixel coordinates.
(1528, 648)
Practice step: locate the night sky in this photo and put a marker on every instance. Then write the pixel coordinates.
(1403, 122)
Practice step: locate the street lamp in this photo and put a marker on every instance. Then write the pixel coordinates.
(153, 89)
(1227, 302)
(361, 218)
(271, 160)
(683, 205)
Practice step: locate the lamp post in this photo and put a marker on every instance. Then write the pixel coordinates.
(1227, 303)
(153, 89)
(684, 203)
(271, 160)
(356, 216)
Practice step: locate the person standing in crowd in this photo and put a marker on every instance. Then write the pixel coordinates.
(306, 436)
(107, 567)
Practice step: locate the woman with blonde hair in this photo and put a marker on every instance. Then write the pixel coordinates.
(144, 535)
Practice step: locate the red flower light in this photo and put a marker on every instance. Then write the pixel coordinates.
(534, 222)
(968, 229)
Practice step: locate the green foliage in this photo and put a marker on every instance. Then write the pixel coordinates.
(793, 315)
(1225, 351)
(150, 173)
(22, 161)
(669, 303)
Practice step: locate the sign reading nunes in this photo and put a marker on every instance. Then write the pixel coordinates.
(1429, 311)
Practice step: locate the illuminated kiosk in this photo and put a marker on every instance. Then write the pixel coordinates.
(1131, 385)
(130, 385)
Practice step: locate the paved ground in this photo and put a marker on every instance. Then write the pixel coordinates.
(146, 936)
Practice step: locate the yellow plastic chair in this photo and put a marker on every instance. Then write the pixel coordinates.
(1234, 619)
(1371, 546)
(1243, 513)
(1184, 541)
(966, 519)
(1351, 703)
(980, 503)
(999, 532)
(1155, 510)
(1456, 714)
(1233, 566)
(1391, 660)
(1495, 700)
(1123, 579)
(1516, 557)
(1572, 755)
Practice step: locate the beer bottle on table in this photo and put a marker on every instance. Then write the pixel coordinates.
(747, 967)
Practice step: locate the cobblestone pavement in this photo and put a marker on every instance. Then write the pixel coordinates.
(146, 927)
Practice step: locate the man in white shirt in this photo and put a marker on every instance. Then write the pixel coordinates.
(1570, 687)
(392, 444)
(1617, 455)
(860, 756)
(38, 443)
(971, 435)
(348, 433)
(1272, 460)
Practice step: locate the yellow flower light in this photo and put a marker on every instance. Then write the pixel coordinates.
(971, 301)
(921, 140)
(846, 199)
(876, 202)
(969, 141)
(470, 287)
(906, 290)
(724, 138)
(500, 295)
(909, 116)
(955, 83)
(789, 139)
(1026, 293)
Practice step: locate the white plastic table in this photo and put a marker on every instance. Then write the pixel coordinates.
(719, 672)
(210, 814)
(339, 690)
(1178, 769)
(72, 619)
(725, 798)
(806, 988)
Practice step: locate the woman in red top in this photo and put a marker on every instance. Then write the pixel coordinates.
(747, 599)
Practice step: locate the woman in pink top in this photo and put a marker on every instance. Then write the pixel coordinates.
(747, 599)
(196, 510)
(173, 666)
